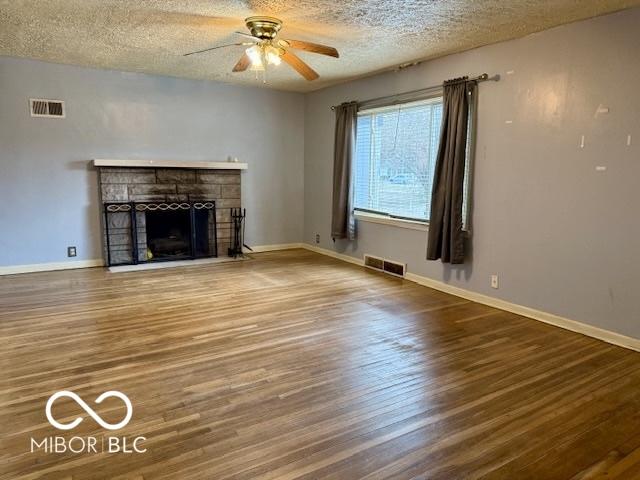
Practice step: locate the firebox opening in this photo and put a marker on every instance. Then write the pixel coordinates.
(168, 234)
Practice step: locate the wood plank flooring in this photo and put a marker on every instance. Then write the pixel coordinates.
(293, 365)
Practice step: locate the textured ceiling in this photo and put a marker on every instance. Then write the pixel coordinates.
(151, 35)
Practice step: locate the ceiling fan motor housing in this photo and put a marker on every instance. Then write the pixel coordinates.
(265, 28)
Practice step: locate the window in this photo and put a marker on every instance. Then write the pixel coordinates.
(396, 149)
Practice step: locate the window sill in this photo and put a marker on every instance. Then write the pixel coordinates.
(395, 222)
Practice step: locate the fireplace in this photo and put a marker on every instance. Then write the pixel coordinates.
(161, 214)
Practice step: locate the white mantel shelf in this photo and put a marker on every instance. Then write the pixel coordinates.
(103, 162)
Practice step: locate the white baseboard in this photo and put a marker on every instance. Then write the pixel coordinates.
(48, 267)
(98, 262)
(331, 253)
(556, 320)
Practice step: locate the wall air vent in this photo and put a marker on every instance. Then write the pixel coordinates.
(46, 108)
(387, 266)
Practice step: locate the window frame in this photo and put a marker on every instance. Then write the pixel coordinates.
(373, 216)
(385, 219)
(418, 224)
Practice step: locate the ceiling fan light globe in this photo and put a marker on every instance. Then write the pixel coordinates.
(272, 55)
(255, 55)
(273, 59)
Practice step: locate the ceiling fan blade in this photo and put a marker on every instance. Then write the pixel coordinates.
(310, 47)
(299, 66)
(214, 48)
(243, 63)
(255, 39)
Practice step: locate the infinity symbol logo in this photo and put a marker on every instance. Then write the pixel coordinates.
(89, 410)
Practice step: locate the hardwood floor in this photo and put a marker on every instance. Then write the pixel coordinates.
(295, 365)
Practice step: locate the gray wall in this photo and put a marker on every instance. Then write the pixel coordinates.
(48, 192)
(562, 236)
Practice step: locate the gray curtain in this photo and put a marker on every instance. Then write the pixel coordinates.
(446, 238)
(342, 220)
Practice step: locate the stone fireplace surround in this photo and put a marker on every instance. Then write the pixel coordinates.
(134, 184)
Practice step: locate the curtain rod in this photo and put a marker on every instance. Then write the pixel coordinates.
(479, 78)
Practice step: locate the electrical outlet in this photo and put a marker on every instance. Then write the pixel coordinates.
(317, 238)
(494, 281)
(71, 251)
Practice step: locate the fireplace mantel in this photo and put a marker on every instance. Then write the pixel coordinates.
(204, 165)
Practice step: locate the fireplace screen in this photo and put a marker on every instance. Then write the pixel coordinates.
(140, 232)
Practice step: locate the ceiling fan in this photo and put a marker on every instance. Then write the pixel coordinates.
(267, 49)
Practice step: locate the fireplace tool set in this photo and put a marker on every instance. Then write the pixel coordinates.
(238, 216)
